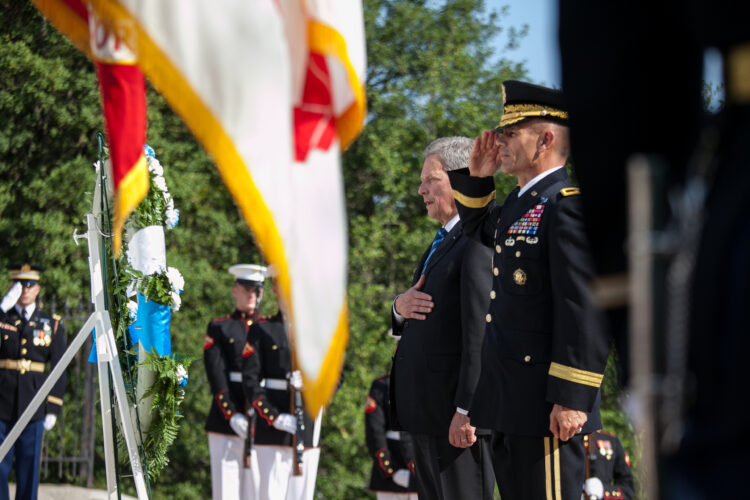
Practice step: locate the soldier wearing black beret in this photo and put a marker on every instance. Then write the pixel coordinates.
(30, 341)
(545, 348)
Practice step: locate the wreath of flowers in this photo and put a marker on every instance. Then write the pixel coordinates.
(163, 286)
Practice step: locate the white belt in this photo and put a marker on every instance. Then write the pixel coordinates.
(235, 376)
(277, 384)
(394, 435)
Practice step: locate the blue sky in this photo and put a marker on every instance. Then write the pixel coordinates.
(538, 49)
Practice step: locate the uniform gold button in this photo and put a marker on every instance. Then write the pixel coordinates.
(390, 471)
(518, 253)
(492, 294)
(249, 322)
(231, 341)
(274, 347)
(496, 271)
(260, 403)
(24, 351)
(488, 318)
(498, 248)
(5, 337)
(23, 341)
(527, 358)
(381, 455)
(386, 462)
(225, 404)
(221, 396)
(533, 193)
(265, 410)
(229, 412)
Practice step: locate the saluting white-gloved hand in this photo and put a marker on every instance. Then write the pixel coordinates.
(286, 422)
(49, 421)
(238, 423)
(593, 488)
(401, 477)
(295, 379)
(11, 297)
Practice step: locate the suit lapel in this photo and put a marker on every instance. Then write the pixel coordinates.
(444, 246)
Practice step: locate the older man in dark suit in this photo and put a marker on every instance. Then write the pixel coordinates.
(441, 323)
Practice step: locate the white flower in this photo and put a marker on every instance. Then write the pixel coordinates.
(176, 281)
(176, 301)
(155, 167)
(160, 183)
(172, 218)
(180, 373)
(132, 309)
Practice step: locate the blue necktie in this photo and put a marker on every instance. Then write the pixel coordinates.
(438, 238)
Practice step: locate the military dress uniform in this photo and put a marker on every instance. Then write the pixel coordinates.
(265, 378)
(544, 343)
(390, 450)
(608, 461)
(223, 350)
(27, 348)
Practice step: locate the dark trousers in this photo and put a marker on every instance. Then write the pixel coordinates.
(444, 472)
(27, 451)
(538, 468)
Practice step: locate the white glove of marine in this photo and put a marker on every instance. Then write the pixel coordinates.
(296, 379)
(49, 421)
(286, 422)
(11, 297)
(401, 477)
(593, 488)
(238, 423)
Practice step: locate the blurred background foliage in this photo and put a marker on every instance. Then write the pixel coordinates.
(434, 69)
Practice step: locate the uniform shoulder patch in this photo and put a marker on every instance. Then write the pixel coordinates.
(208, 342)
(56, 317)
(247, 350)
(570, 191)
(370, 404)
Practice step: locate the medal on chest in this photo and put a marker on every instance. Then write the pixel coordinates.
(529, 222)
(43, 336)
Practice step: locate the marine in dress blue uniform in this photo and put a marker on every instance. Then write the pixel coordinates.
(608, 473)
(227, 425)
(545, 347)
(391, 451)
(267, 375)
(30, 341)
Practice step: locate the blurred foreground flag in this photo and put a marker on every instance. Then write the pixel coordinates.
(274, 90)
(123, 91)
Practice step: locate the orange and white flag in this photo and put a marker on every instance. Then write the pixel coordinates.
(123, 92)
(274, 90)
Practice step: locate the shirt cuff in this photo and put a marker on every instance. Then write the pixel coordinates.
(399, 319)
(462, 411)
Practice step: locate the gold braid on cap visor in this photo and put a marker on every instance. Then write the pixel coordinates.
(516, 112)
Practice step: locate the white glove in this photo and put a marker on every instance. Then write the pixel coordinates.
(593, 488)
(238, 423)
(286, 422)
(11, 297)
(49, 421)
(295, 379)
(401, 477)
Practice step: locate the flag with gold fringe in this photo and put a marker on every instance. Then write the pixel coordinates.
(274, 91)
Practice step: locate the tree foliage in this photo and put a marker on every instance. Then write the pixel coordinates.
(434, 69)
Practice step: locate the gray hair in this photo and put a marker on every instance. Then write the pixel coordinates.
(453, 152)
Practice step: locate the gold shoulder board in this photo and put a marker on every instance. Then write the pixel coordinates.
(570, 191)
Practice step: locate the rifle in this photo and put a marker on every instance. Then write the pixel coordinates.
(250, 414)
(298, 443)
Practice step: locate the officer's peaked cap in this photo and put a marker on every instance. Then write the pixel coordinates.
(524, 101)
(249, 274)
(25, 273)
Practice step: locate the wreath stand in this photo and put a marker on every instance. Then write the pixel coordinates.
(108, 365)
